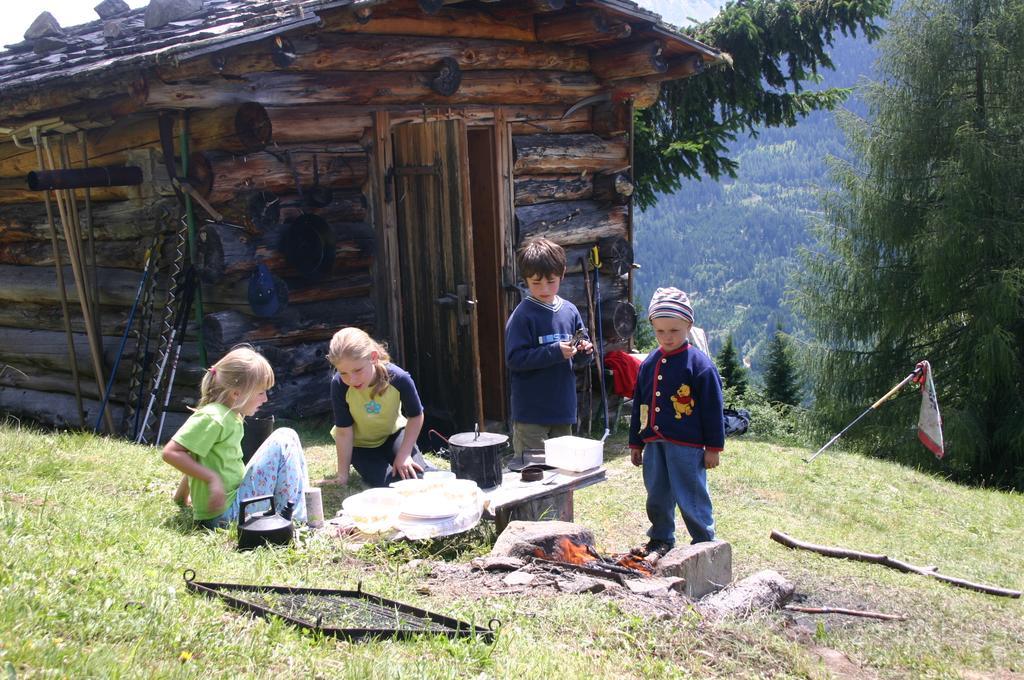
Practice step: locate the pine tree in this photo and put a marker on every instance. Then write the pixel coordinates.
(781, 381)
(923, 255)
(773, 48)
(643, 337)
(733, 373)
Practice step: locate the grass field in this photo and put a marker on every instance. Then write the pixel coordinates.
(93, 552)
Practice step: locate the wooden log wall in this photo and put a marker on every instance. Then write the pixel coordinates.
(258, 191)
(574, 188)
(276, 135)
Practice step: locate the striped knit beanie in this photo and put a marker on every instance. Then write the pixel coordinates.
(670, 302)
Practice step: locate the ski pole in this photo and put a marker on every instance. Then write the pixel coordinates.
(595, 261)
(871, 408)
(124, 339)
(159, 375)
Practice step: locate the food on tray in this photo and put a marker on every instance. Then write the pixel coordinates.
(408, 487)
(373, 510)
(461, 491)
(437, 478)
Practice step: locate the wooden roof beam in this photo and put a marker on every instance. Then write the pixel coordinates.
(635, 60)
(432, 7)
(579, 25)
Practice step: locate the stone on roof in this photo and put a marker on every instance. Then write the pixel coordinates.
(44, 26)
(108, 9)
(162, 12)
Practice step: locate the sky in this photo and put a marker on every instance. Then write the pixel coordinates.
(18, 15)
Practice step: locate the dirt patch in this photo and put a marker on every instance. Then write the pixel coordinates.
(22, 499)
(451, 580)
(837, 664)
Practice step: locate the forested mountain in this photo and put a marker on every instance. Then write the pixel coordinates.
(732, 243)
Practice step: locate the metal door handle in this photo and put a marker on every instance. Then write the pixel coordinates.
(448, 300)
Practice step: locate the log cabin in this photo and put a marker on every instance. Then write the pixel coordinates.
(382, 159)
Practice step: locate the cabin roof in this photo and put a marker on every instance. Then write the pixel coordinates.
(87, 51)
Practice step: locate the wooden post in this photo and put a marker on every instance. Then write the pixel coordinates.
(386, 222)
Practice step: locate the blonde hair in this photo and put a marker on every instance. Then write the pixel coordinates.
(355, 344)
(244, 370)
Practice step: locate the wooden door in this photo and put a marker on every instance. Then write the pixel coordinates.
(435, 253)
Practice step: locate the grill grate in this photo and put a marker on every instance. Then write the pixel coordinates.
(350, 614)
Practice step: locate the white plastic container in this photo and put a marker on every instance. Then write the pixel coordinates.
(374, 510)
(575, 454)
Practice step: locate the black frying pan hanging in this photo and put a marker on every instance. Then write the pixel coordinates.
(308, 244)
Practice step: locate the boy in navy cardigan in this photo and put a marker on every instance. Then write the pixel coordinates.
(676, 430)
(539, 350)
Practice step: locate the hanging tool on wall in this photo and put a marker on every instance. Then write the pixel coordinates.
(186, 192)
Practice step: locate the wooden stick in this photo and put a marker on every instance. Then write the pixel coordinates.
(62, 290)
(70, 241)
(848, 612)
(885, 561)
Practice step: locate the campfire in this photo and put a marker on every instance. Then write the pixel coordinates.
(582, 557)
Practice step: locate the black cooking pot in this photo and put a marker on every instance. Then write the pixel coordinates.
(309, 243)
(264, 528)
(477, 456)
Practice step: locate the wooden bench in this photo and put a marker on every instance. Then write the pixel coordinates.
(549, 498)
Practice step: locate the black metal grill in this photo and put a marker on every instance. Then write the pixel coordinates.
(348, 614)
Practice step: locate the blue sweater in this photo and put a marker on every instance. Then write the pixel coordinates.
(678, 398)
(543, 381)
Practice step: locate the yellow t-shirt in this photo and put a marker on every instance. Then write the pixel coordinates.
(375, 418)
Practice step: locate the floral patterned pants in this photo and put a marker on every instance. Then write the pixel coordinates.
(278, 469)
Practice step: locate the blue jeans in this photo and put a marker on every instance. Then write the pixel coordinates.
(675, 476)
(374, 464)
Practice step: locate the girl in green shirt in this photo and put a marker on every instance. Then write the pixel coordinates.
(208, 447)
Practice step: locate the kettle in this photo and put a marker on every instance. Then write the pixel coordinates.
(264, 528)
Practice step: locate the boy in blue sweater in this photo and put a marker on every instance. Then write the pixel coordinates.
(676, 430)
(539, 350)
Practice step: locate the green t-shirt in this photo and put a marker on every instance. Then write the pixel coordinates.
(213, 435)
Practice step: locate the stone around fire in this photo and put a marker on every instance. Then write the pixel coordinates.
(707, 567)
(522, 539)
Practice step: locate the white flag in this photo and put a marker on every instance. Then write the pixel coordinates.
(929, 422)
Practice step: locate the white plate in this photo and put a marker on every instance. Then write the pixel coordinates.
(440, 513)
(410, 519)
(428, 507)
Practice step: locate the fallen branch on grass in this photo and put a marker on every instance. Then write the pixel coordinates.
(886, 561)
(849, 612)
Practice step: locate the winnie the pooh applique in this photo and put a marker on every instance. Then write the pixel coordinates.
(682, 402)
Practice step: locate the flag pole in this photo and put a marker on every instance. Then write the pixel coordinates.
(881, 400)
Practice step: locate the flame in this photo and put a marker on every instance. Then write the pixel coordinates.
(573, 553)
(568, 551)
(631, 561)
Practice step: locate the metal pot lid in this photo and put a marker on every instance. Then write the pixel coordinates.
(470, 439)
